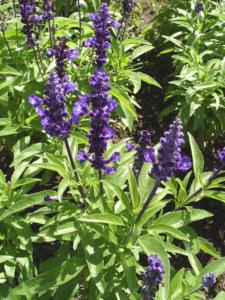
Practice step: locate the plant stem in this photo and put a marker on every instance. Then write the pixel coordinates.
(39, 54)
(101, 183)
(147, 202)
(37, 62)
(119, 30)
(53, 22)
(50, 33)
(195, 291)
(124, 29)
(74, 169)
(14, 12)
(199, 190)
(5, 40)
(80, 26)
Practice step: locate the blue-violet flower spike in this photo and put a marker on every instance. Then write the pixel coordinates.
(209, 280)
(168, 158)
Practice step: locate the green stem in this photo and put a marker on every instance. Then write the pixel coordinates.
(80, 25)
(37, 62)
(147, 202)
(75, 170)
(6, 42)
(199, 190)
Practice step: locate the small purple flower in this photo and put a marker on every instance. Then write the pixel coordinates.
(69, 87)
(149, 155)
(80, 108)
(50, 53)
(199, 7)
(209, 280)
(72, 54)
(35, 101)
(130, 146)
(110, 170)
(37, 18)
(221, 154)
(82, 156)
(152, 277)
(115, 157)
(48, 198)
(184, 164)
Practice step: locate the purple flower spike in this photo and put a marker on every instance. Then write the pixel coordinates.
(145, 153)
(30, 19)
(199, 7)
(127, 7)
(209, 280)
(48, 8)
(152, 277)
(221, 154)
(53, 114)
(62, 54)
(168, 158)
(101, 104)
(103, 21)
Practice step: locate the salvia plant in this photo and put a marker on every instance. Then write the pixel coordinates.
(196, 44)
(86, 210)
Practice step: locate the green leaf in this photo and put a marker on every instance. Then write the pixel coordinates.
(7, 70)
(197, 157)
(176, 287)
(175, 233)
(133, 188)
(29, 152)
(208, 248)
(102, 218)
(217, 195)
(9, 130)
(145, 182)
(216, 267)
(4, 258)
(136, 81)
(135, 41)
(148, 79)
(220, 296)
(25, 202)
(129, 267)
(140, 51)
(124, 99)
(181, 218)
(94, 256)
(151, 211)
(52, 278)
